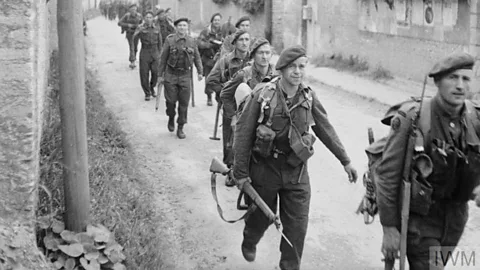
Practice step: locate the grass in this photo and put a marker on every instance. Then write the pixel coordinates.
(353, 64)
(120, 199)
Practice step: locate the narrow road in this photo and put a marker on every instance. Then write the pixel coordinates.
(194, 235)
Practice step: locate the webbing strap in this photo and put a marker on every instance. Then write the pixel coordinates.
(250, 210)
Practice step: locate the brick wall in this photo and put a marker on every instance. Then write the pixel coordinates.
(25, 52)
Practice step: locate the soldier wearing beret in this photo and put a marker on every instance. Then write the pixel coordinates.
(151, 40)
(223, 70)
(179, 53)
(129, 23)
(243, 24)
(450, 127)
(272, 145)
(209, 43)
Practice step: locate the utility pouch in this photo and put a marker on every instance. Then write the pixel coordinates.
(263, 145)
(302, 146)
(421, 195)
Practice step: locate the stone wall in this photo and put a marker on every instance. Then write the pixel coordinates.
(24, 59)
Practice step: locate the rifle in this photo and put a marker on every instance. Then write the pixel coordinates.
(215, 128)
(191, 86)
(413, 146)
(219, 167)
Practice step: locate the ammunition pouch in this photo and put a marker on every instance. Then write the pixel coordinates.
(302, 146)
(421, 189)
(263, 145)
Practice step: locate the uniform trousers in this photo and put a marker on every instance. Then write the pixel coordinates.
(177, 89)
(149, 68)
(274, 180)
(441, 228)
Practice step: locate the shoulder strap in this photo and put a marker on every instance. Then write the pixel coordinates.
(425, 120)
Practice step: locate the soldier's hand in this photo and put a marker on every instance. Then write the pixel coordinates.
(199, 77)
(352, 173)
(476, 193)
(242, 181)
(391, 243)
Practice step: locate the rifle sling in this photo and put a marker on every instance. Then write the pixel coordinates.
(250, 210)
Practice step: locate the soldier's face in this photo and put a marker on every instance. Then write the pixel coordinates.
(216, 21)
(149, 18)
(454, 87)
(168, 14)
(262, 55)
(182, 27)
(243, 42)
(245, 26)
(293, 73)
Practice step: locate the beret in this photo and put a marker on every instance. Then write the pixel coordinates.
(242, 19)
(149, 12)
(289, 55)
(160, 11)
(214, 15)
(180, 20)
(237, 34)
(259, 42)
(132, 5)
(451, 63)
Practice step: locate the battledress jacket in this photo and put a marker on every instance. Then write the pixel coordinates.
(390, 169)
(247, 124)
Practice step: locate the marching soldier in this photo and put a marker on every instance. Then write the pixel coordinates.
(272, 145)
(165, 22)
(179, 53)
(450, 126)
(151, 40)
(243, 24)
(223, 70)
(129, 22)
(209, 42)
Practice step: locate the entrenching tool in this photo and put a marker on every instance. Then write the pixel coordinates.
(215, 128)
(218, 166)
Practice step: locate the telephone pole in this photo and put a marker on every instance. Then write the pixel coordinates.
(73, 114)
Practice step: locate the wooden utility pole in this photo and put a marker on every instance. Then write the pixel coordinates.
(73, 115)
(268, 18)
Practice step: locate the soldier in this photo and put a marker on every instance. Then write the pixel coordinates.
(151, 39)
(242, 24)
(261, 53)
(179, 53)
(129, 22)
(450, 126)
(272, 145)
(166, 24)
(223, 70)
(209, 42)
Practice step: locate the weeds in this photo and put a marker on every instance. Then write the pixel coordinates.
(353, 64)
(119, 199)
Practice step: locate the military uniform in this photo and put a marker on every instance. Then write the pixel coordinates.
(452, 143)
(223, 70)
(151, 39)
(278, 174)
(209, 42)
(166, 27)
(178, 56)
(129, 23)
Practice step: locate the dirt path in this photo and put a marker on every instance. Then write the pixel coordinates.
(194, 236)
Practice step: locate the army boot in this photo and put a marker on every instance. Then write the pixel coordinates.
(249, 251)
(171, 124)
(180, 133)
(209, 100)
